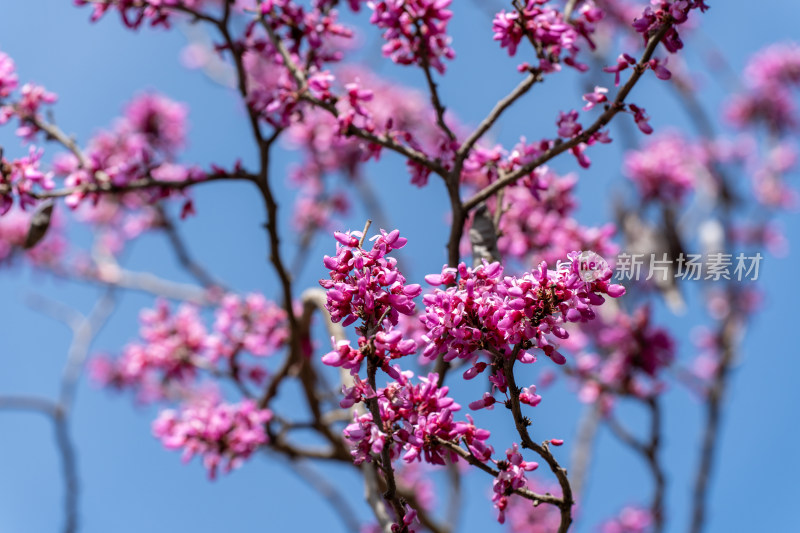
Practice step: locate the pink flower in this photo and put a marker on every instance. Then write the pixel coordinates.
(415, 31)
(598, 96)
(416, 415)
(623, 62)
(222, 434)
(511, 477)
(160, 120)
(672, 12)
(568, 125)
(8, 76)
(366, 284)
(488, 311)
(641, 118)
(547, 29)
(666, 168)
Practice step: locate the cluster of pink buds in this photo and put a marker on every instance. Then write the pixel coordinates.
(365, 284)
(413, 418)
(141, 146)
(8, 76)
(511, 477)
(548, 31)
(482, 310)
(770, 76)
(661, 12)
(635, 351)
(543, 227)
(253, 324)
(415, 31)
(222, 434)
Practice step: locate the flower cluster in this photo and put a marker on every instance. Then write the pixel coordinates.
(413, 418)
(548, 31)
(366, 285)
(482, 310)
(633, 348)
(770, 76)
(661, 12)
(253, 324)
(136, 12)
(23, 176)
(415, 31)
(141, 146)
(222, 434)
(174, 347)
(666, 169)
(8, 76)
(630, 520)
(312, 38)
(373, 104)
(511, 478)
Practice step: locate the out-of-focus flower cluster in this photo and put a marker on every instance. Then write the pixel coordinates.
(630, 520)
(222, 434)
(176, 347)
(666, 168)
(631, 354)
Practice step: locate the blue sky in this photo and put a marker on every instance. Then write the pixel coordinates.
(131, 484)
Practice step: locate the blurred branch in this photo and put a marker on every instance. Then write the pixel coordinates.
(729, 332)
(84, 328)
(584, 446)
(182, 251)
(649, 452)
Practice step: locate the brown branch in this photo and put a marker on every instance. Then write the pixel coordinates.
(385, 458)
(563, 146)
(136, 185)
(328, 491)
(182, 253)
(528, 494)
(197, 15)
(487, 123)
(383, 140)
(566, 502)
(728, 335)
(649, 452)
(433, 89)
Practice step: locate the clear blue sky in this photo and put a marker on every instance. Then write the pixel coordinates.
(130, 484)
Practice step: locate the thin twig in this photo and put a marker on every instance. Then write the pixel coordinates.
(566, 502)
(611, 111)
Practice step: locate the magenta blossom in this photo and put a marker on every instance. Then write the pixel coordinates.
(222, 434)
